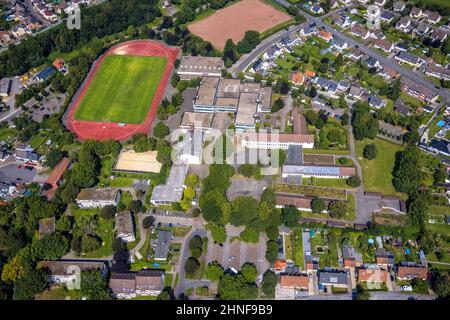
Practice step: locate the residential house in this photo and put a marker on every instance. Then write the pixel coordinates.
(439, 35)
(19, 30)
(399, 6)
(421, 29)
(60, 65)
(162, 245)
(384, 258)
(440, 147)
(98, 198)
(401, 107)
(325, 35)
(329, 86)
(373, 63)
(340, 44)
(45, 74)
(388, 73)
(291, 286)
(125, 229)
(341, 20)
(272, 53)
(403, 24)
(380, 3)
(412, 272)
(433, 17)
(437, 71)
(296, 78)
(68, 272)
(306, 30)
(149, 282)
(386, 16)
(316, 9)
(56, 177)
(351, 257)
(416, 13)
(400, 46)
(343, 85)
(360, 31)
(373, 277)
(384, 45)
(409, 58)
(26, 153)
(336, 279)
(416, 90)
(356, 91)
(376, 102)
(355, 54)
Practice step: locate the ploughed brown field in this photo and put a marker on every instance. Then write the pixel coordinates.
(232, 22)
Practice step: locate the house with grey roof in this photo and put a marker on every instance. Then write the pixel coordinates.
(172, 190)
(162, 244)
(334, 278)
(409, 58)
(125, 229)
(376, 102)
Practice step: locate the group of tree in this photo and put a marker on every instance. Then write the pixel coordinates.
(239, 286)
(196, 249)
(365, 124)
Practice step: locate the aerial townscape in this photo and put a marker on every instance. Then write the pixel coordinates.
(225, 150)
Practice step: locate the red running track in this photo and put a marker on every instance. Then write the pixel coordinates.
(85, 130)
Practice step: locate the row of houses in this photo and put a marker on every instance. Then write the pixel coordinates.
(147, 282)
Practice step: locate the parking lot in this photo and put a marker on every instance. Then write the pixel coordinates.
(246, 187)
(12, 173)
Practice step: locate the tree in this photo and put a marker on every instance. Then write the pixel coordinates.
(119, 245)
(214, 271)
(218, 233)
(365, 125)
(272, 233)
(90, 243)
(164, 295)
(229, 52)
(271, 251)
(268, 284)
(250, 235)
(51, 247)
(441, 284)
(234, 287)
(94, 286)
(248, 170)
(277, 105)
(29, 285)
(148, 222)
(108, 212)
(195, 242)
(317, 205)
(135, 206)
(244, 210)
(370, 151)
(14, 270)
(189, 193)
(290, 216)
(406, 176)
(337, 209)
(161, 130)
(361, 294)
(354, 181)
(196, 253)
(249, 272)
(191, 180)
(53, 157)
(191, 265)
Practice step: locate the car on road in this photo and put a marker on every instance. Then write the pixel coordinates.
(19, 166)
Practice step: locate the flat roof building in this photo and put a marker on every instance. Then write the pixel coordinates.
(196, 66)
(98, 198)
(263, 140)
(197, 120)
(247, 109)
(149, 282)
(125, 226)
(162, 245)
(172, 191)
(5, 87)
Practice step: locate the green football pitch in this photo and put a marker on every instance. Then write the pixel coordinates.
(122, 89)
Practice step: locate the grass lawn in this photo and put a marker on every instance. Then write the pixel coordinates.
(59, 293)
(38, 139)
(118, 182)
(288, 248)
(298, 248)
(180, 231)
(105, 230)
(122, 89)
(377, 173)
(324, 245)
(325, 182)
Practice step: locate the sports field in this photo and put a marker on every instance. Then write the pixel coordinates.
(233, 21)
(122, 89)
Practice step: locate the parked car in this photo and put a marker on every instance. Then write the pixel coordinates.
(406, 288)
(19, 166)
